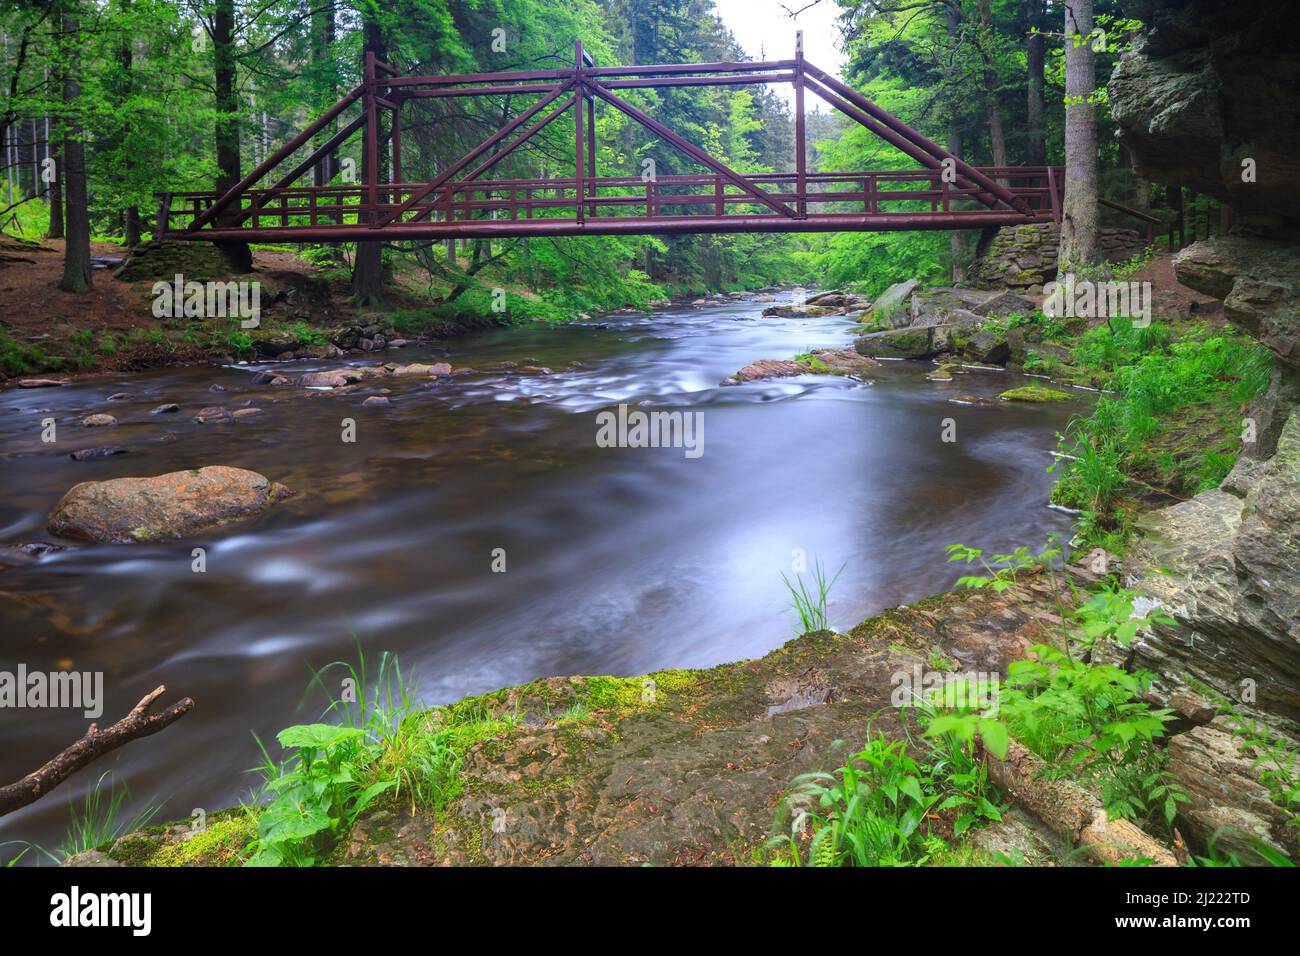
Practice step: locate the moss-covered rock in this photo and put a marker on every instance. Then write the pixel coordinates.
(1034, 393)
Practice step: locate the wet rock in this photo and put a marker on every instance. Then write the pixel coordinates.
(334, 379)
(39, 382)
(398, 343)
(764, 297)
(166, 409)
(213, 413)
(272, 378)
(163, 506)
(242, 413)
(119, 397)
(376, 400)
(216, 387)
(417, 369)
(904, 343)
(98, 421)
(819, 362)
(102, 451)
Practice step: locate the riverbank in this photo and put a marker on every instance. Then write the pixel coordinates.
(563, 758)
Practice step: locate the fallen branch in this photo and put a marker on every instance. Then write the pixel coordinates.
(93, 745)
(1071, 812)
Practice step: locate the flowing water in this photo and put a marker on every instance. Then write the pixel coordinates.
(618, 560)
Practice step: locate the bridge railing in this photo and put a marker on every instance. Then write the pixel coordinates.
(671, 202)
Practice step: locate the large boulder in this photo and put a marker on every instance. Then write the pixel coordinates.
(893, 306)
(173, 505)
(911, 343)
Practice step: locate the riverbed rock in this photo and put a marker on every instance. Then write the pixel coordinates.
(240, 414)
(331, 379)
(39, 382)
(98, 421)
(173, 505)
(904, 343)
(100, 451)
(376, 400)
(417, 369)
(1035, 394)
(894, 301)
(212, 413)
(165, 409)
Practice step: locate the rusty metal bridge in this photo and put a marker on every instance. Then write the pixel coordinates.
(462, 202)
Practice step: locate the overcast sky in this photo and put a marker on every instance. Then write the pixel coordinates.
(764, 28)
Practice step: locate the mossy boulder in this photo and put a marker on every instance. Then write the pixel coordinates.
(173, 505)
(1034, 393)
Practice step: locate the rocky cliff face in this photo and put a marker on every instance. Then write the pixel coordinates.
(1210, 85)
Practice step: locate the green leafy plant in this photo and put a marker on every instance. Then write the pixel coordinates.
(810, 604)
(1001, 569)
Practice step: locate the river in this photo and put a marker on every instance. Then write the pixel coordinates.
(617, 560)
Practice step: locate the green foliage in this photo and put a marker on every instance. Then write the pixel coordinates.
(98, 819)
(1156, 381)
(1002, 568)
(307, 336)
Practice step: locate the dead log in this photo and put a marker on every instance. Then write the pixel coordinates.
(92, 745)
(1070, 811)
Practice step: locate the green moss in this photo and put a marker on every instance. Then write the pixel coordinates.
(1034, 393)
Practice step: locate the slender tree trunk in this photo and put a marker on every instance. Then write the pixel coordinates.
(236, 252)
(1035, 140)
(955, 147)
(56, 198)
(323, 29)
(76, 257)
(131, 213)
(997, 137)
(368, 269)
(1080, 243)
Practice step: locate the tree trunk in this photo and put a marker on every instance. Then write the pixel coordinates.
(368, 270)
(954, 147)
(1080, 244)
(1035, 140)
(997, 138)
(323, 29)
(131, 214)
(237, 253)
(76, 256)
(56, 198)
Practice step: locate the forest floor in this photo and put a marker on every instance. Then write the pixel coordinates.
(112, 328)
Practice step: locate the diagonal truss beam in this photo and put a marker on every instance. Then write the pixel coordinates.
(275, 159)
(478, 151)
(691, 150)
(893, 130)
(495, 158)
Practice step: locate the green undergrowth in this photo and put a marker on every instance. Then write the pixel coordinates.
(1171, 424)
(915, 799)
